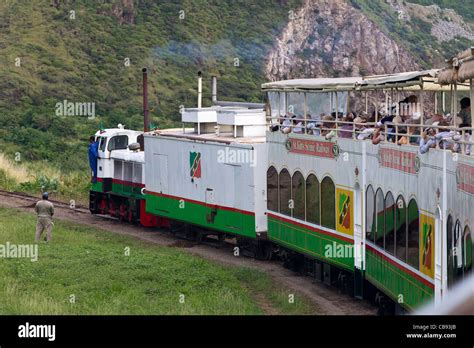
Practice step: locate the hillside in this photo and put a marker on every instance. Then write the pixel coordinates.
(81, 56)
(92, 52)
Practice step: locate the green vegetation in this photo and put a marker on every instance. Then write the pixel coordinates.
(84, 60)
(415, 35)
(464, 8)
(35, 177)
(92, 266)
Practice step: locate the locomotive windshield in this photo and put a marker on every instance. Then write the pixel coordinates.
(119, 142)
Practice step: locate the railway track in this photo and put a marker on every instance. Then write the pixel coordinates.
(24, 196)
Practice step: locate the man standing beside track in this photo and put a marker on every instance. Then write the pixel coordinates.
(45, 211)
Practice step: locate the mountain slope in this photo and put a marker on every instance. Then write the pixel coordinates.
(81, 56)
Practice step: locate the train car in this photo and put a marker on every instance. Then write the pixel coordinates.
(362, 213)
(208, 177)
(117, 190)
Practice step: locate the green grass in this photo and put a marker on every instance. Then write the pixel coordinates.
(92, 266)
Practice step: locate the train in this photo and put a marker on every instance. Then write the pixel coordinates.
(384, 222)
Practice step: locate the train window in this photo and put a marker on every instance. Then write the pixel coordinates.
(297, 195)
(103, 141)
(379, 218)
(282, 103)
(118, 142)
(118, 169)
(274, 102)
(272, 189)
(328, 203)
(370, 214)
(450, 262)
(389, 223)
(127, 171)
(296, 104)
(467, 250)
(313, 213)
(137, 172)
(317, 104)
(413, 237)
(401, 229)
(285, 192)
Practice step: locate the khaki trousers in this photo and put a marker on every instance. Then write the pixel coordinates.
(44, 223)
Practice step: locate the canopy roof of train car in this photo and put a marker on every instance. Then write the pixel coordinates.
(406, 81)
(459, 68)
(316, 84)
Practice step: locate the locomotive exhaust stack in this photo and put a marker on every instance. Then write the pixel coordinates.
(214, 89)
(199, 90)
(146, 118)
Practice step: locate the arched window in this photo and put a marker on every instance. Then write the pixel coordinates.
(467, 250)
(413, 236)
(389, 223)
(401, 229)
(370, 214)
(272, 189)
(297, 195)
(285, 192)
(328, 206)
(450, 250)
(379, 218)
(313, 213)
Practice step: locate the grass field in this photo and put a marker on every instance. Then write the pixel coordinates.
(92, 267)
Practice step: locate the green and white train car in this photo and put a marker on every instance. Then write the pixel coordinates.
(383, 213)
(212, 182)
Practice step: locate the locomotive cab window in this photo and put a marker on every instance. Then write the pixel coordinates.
(103, 141)
(118, 142)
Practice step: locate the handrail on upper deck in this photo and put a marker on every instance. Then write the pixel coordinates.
(388, 134)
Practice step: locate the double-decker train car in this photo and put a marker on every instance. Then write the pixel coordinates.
(379, 215)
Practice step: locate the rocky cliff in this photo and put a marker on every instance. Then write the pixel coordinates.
(331, 38)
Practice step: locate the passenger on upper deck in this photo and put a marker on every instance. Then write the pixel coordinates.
(328, 129)
(465, 138)
(298, 124)
(345, 131)
(314, 125)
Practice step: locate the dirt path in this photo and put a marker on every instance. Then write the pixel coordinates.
(328, 300)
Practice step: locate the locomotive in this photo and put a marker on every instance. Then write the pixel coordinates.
(383, 221)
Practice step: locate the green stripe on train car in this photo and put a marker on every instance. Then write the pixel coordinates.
(312, 243)
(127, 190)
(230, 221)
(401, 286)
(97, 186)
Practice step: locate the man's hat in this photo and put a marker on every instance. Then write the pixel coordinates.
(45, 195)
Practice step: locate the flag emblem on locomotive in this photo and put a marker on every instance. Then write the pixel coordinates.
(195, 164)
